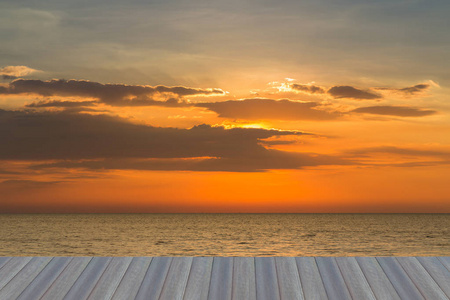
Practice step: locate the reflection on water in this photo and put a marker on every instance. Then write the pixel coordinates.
(225, 234)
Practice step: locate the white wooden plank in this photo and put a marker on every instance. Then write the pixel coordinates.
(377, 279)
(45, 278)
(25, 276)
(132, 280)
(354, 278)
(332, 278)
(189, 278)
(11, 268)
(312, 284)
(288, 278)
(399, 279)
(220, 286)
(66, 279)
(445, 260)
(110, 279)
(244, 280)
(154, 279)
(199, 278)
(3, 261)
(176, 280)
(266, 279)
(421, 278)
(88, 279)
(438, 271)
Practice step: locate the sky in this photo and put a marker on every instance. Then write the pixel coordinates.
(310, 106)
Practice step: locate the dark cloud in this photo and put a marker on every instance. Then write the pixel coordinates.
(146, 101)
(415, 89)
(419, 164)
(245, 162)
(309, 89)
(399, 111)
(352, 93)
(411, 90)
(172, 102)
(111, 94)
(278, 142)
(27, 135)
(268, 109)
(9, 77)
(63, 104)
(423, 157)
(7, 172)
(21, 183)
(399, 151)
(32, 135)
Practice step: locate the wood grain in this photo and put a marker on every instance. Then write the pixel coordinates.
(354, 278)
(220, 287)
(332, 278)
(438, 271)
(310, 278)
(132, 280)
(59, 288)
(24, 277)
(377, 279)
(399, 279)
(266, 279)
(154, 278)
(176, 280)
(288, 278)
(244, 281)
(199, 279)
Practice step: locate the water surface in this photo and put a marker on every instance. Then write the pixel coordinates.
(225, 235)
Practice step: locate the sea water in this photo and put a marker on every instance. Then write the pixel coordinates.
(224, 235)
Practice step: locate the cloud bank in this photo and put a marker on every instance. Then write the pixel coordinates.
(111, 94)
(247, 109)
(114, 142)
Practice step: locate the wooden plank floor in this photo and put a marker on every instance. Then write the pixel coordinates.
(217, 278)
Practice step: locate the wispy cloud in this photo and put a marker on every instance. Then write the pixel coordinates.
(62, 104)
(351, 92)
(258, 162)
(404, 157)
(27, 184)
(346, 91)
(400, 151)
(415, 90)
(13, 72)
(399, 111)
(307, 88)
(268, 109)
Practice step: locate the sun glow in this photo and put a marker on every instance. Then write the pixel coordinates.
(254, 125)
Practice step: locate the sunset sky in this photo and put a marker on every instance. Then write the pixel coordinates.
(225, 106)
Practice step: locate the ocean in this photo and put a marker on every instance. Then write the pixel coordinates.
(224, 234)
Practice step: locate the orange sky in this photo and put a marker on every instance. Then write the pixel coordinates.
(287, 106)
(349, 162)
